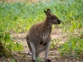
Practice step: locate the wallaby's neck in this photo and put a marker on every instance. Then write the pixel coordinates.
(47, 24)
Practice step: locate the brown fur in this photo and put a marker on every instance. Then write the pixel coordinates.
(40, 33)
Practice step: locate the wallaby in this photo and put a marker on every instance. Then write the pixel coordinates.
(39, 36)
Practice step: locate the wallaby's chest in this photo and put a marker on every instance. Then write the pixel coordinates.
(45, 34)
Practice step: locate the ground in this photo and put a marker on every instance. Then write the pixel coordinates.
(53, 53)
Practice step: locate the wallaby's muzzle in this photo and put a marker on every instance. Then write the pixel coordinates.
(59, 21)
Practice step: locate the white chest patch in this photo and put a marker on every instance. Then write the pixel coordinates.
(45, 35)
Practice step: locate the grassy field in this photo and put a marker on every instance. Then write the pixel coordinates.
(19, 17)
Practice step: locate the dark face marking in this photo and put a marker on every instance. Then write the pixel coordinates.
(54, 20)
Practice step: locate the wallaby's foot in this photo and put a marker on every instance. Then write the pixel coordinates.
(33, 60)
(48, 60)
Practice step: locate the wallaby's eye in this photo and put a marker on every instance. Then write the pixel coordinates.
(54, 17)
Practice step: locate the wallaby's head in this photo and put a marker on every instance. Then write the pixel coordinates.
(51, 18)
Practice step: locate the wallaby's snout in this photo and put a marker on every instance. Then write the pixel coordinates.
(52, 19)
(57, 21)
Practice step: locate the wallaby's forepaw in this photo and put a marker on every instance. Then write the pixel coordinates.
(34, 61)
(48, 60)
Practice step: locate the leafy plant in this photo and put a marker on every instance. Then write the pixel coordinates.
(74, 48)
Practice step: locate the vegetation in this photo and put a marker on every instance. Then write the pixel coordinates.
(19, 17)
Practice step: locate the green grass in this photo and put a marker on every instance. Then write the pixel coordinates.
(19, 17)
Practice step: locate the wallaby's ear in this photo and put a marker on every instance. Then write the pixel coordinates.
(48, 12)
(45, 11)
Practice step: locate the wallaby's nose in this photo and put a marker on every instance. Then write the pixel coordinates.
(59, 21)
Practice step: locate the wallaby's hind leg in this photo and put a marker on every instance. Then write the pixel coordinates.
(27, 39)
(33, 50)
(29, 52)
(46, 52)
(37, 55)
